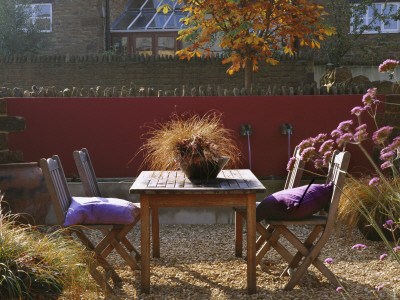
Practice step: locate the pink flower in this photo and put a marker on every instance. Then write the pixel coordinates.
(318, 163)
(388, 66)
(389, 222)
(307, 153)
(336, 133)
(367, 100)
(291, 163)
(386, 164)
(326, 146)
(327, 157)
(382, 134)
(357, 110)
(345, 125)
(379, 288)
(374, 181)
(359, 247)
(361, 133)
(372, 91)
(387, 156)
(329, 260)
(395, 144)
(345, 138)
(306, 144)
(383, 256)
(339, 289)
(397, 248)
(319, 138)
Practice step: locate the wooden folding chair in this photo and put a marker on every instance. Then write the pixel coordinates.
(61, 199)
(309, 250)
(91, 188)
(292, 180)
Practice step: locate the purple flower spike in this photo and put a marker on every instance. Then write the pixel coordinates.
(388, 66)
(326, 146)
(329, 260)
(387, 156)
(359, 247)
(367, 100)
(379, 288)
(339, 289)
(374, 181)
(383, 256)
(382, 134)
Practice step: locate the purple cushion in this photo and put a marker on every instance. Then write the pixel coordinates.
(284, 205)
(98, 210)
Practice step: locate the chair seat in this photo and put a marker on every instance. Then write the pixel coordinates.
(311, 220)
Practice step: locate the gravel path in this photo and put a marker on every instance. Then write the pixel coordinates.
(198, 262)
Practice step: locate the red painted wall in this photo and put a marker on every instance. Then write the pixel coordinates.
(111, 127)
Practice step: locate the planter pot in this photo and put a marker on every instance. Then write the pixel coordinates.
(206, 170)
(25, 192)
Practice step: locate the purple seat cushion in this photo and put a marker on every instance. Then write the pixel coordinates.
(98, 210)
(296, 203)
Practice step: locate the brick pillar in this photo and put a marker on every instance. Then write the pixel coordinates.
(9, 124)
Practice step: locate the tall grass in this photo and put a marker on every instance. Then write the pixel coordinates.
(162, 139)
(34, 264)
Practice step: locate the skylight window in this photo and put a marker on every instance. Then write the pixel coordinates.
(142, 15)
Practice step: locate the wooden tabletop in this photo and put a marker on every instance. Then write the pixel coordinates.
(227, 182)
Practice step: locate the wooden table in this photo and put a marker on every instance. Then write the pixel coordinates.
(172, 189)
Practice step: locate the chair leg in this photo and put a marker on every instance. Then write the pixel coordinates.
(308, 243)
(311, 257)
(98, 256)
(238, 234)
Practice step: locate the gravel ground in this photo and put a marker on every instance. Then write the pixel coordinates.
(198, 262)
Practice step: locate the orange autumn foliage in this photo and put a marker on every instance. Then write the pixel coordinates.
(250, 30)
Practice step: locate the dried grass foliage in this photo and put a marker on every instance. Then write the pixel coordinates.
(378, 200)
(162, 138)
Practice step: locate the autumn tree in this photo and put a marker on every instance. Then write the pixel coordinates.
(250, 31)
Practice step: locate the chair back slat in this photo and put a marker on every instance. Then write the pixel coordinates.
(86, 173)
(294, 176)
(337, 175)
(57, 185)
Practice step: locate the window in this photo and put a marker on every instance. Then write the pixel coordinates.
(141, 29)
(371, 19)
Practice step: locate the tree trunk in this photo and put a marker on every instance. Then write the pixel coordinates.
(248, 76)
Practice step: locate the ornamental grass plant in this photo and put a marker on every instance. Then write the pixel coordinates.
(37, 265)
(188, 138)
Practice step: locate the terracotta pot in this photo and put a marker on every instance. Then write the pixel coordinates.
(206, 170)
(25, 192)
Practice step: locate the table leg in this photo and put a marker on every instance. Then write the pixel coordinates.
(145, 244)
(238, 234)
(251, 244)
(155, 227)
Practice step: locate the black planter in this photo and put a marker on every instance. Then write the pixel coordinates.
(205, 170)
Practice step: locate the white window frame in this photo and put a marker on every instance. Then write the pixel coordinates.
(366, 19)
(36, 17)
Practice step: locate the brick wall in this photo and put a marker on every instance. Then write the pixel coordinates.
(9, 124)
(92, 70)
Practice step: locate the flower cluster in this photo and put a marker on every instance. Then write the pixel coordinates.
(388, 66)
(196, 149)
